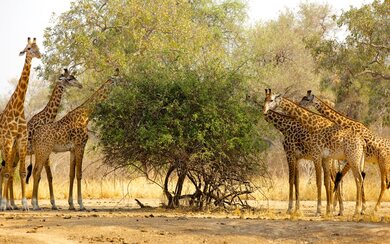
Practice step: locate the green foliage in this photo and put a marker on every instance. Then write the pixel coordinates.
(194, 122)
(358, 68)
(278, 54)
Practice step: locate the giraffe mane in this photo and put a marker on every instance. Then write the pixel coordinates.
(311, 112)
(337, 112)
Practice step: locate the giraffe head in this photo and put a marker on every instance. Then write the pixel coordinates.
(307, 100)
(31, 49)
(271, 101)
(67, 79)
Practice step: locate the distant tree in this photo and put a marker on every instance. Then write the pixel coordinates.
(358, 67)
(278, 54)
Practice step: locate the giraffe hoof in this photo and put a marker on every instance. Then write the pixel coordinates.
(72, 208)
(54, 208)
(82, 209)
(37, 208)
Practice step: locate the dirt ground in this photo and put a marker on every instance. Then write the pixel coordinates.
(115, 221)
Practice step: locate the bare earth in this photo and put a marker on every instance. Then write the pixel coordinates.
(114, 221)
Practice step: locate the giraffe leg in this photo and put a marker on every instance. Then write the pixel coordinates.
(359, 183)
(15, 160)
(71, 179)
(333, 172)
(22, 152)
(340, 198)
(79, 153)
(296, 182)
(11, 204)
(329, 194)
(7, 151)
(382, 168)
(36, 179)
(50, 181)
(291, 180)
(317, 166)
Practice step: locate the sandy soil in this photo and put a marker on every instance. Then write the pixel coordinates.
(114, 221)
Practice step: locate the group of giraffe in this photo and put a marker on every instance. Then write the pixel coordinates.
(323, 137)
(42, 135)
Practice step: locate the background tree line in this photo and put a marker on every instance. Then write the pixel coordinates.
(192, 74)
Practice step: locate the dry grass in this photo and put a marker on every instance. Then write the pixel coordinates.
(96, 184)
(106, 188)
(141, 188)
(308, 190)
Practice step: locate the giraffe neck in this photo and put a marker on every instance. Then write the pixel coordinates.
(332, 114)
(99, 95)
(305, 117)
(280, 121)
(16, 101)
(51, 109)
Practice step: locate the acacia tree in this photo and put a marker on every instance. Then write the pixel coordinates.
(181, 106)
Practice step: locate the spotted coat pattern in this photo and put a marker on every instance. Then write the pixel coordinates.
(377, 148)
(328, 141)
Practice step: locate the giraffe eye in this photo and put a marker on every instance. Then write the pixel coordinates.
(29, 48)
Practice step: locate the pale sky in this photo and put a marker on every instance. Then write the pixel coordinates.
(20, 19)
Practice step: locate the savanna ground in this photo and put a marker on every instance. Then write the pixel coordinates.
(114, 221)
(113, 216)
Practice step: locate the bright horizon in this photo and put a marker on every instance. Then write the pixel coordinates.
(20, 19)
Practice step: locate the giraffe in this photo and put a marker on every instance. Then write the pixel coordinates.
(13, 126)
(67, 134)
(328, 141)
(296, 145)
(377, 148)
(46, 115)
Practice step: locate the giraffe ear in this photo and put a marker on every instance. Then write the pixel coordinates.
(22, 53)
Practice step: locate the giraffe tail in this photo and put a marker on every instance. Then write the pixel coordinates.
(339, 176)
(29, 172)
